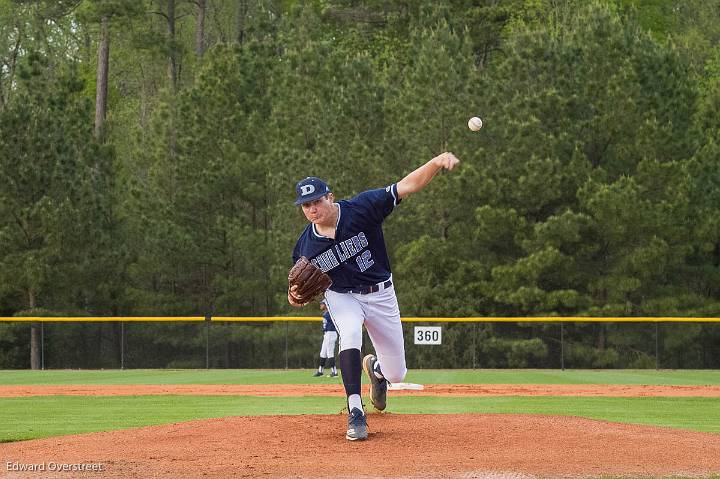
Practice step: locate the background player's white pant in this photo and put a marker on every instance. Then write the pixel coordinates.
(381, 315)
(327, 350)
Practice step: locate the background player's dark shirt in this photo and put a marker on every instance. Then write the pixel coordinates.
(357, 257)
(328, 325)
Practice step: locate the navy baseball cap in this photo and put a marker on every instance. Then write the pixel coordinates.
(310, 189)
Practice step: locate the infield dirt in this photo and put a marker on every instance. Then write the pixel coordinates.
(583, 390)
(407, 446)
(495, 446)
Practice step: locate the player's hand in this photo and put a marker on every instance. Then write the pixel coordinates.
(446, 161)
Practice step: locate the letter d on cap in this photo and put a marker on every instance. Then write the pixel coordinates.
(307, 189)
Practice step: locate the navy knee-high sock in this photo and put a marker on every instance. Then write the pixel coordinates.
(351, 367)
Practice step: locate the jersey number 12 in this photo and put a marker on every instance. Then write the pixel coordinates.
(364, 261)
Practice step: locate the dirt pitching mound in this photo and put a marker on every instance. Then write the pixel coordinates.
(495, 446)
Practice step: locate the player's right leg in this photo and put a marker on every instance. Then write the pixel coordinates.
(347, 315)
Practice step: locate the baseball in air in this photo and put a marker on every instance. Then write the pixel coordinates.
(474, 123)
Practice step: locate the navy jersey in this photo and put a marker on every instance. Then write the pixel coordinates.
(328, 325)
(357, 256)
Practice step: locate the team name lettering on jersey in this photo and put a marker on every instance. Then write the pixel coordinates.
(350, 247)
(326, 261)
(341, 252)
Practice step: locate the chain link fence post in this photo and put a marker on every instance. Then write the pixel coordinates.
(562, 346)
(657, 361)
(122, 345)
(207, 341)
(42, 345)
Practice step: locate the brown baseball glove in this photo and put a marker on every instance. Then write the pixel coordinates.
(305, 282)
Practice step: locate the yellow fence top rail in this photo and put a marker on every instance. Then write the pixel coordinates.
(479, 319)
(562, 319)
(261, 319)
(489, 319)
(82, 319)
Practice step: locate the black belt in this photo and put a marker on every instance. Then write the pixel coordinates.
(372, 289)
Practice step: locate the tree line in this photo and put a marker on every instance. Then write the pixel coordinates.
(149, 151)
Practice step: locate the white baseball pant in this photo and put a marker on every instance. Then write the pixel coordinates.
(380, 313)
(327, 350)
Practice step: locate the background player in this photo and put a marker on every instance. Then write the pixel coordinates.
(327, 350)
(345, 240)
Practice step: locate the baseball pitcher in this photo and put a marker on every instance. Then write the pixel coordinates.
(342, 252)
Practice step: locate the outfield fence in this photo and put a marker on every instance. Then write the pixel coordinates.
(131, 342)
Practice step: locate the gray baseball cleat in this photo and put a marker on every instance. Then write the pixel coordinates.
(378, 387)
(357, 426)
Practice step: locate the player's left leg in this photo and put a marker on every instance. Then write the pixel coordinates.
(385, 330)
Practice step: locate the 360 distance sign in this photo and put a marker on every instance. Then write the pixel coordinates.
(428, 335)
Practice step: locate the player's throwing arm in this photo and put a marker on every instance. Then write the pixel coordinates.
(417, 180)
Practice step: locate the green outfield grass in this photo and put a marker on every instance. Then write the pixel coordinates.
(44, 416)
(295, 376)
